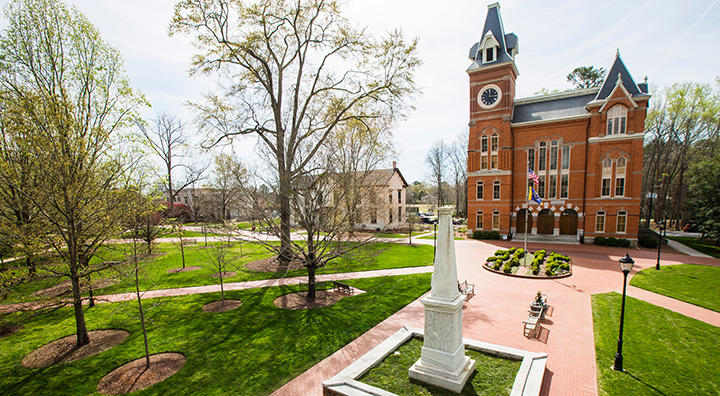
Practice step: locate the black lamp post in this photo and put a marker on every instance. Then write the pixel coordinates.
(660, 241)
(626, 264)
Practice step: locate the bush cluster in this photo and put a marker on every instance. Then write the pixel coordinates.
(538, 261)
(503, 259)
(612, 241)
(557, 262)
(648, 241)
(486, 235)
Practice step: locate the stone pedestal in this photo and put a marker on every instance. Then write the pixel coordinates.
(443, 362)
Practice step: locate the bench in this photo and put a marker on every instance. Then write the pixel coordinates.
(466, 288)
(342, 288)
(531, 325)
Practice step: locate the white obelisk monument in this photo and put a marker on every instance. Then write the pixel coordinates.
(443, 362)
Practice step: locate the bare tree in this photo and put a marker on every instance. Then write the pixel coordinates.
(296, 71)
(436, 160)
(458, 159)
(229, 175)
(168, 140)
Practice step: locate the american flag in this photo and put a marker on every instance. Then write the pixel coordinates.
(532, 176)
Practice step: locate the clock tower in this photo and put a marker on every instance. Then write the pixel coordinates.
(490, 144)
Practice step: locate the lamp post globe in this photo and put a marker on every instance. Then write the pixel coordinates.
(626, 265)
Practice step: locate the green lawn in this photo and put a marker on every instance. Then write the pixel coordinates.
(433, 237)
(706, 246)
(387, 255)
(493, 376)
(695, 284)
(252, 350)
(665, 353)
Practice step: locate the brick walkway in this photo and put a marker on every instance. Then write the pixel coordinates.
(496, 312)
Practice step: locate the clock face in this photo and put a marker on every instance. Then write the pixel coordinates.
(489, 96)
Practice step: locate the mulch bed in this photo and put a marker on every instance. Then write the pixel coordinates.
(8, 330)
(186, 269)
(225, 274)
(135, 376)
(220, 306)
(271, 264)
(297, 301)
(64, 350)
(64, 288)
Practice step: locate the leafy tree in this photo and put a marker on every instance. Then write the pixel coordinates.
(586, 77)
(296, 71)
(458, 160)
(228, 177)
(705, 184)
(70, 96)
(682, 124)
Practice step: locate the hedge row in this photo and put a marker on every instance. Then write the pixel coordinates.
(612, 241)
(486, 235)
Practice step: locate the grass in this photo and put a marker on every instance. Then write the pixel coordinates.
(706, 246)
(665, 353)
(493, 375)
(388, 255)
(252, 350)
(694, 284)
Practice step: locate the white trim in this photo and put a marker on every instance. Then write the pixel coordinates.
(479, 66)
(491, 172)
(627, 95)
(540, 122)
(556, 95)
(610, 138)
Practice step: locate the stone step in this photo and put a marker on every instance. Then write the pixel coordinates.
(546, 238)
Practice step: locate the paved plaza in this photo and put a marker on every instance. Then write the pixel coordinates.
(496, 312)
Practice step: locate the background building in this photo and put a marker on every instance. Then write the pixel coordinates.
(586, 146)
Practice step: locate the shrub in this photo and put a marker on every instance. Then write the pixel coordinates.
(648, 241)
(624, 242)
(600, 240)
(512, 250)
(497, 265)
(486, 235)
(507, 268)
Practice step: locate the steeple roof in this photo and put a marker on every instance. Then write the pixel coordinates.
(618, 70)
(506, 42)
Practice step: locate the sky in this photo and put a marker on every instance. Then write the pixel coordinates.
(667, 41)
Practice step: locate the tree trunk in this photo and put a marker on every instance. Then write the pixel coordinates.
(182, 251)
(30, 264)
(82, 335)
(142, 314)
(285, 249)
(311, 282)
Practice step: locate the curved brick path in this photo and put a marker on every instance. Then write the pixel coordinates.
(496, 312)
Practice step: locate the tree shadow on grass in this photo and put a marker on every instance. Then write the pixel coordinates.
(646, 384)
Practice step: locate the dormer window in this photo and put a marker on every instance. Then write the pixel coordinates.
(616, 120)
(489, 55)
(489, 47)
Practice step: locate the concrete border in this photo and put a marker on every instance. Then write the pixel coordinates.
(528, 380)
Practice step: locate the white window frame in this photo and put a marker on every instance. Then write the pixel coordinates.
(621, 214)
(606, 179)
(620, 171)
(496, 220)
(600, 214)
(479, 219)
(496, 190)
(479, 190)
(617, 120)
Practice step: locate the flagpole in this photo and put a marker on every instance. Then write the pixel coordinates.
(527, 209)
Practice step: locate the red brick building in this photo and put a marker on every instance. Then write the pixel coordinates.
(586, 146)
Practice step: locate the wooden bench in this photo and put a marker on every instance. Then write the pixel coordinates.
(342, 288)
(466, 288)
(531, 325)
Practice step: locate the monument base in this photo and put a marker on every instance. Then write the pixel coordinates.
(452, 381)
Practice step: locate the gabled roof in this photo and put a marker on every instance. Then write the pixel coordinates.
(381, 177)
(618, 69)
(493, 24)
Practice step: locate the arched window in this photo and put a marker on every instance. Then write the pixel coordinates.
(484, 152)
(494, 151)
(621, 221)
(606, 177)
(600, 221)
(479, 220)
(496, 220)
(620, 177)
(542, 153)
(616, 120)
